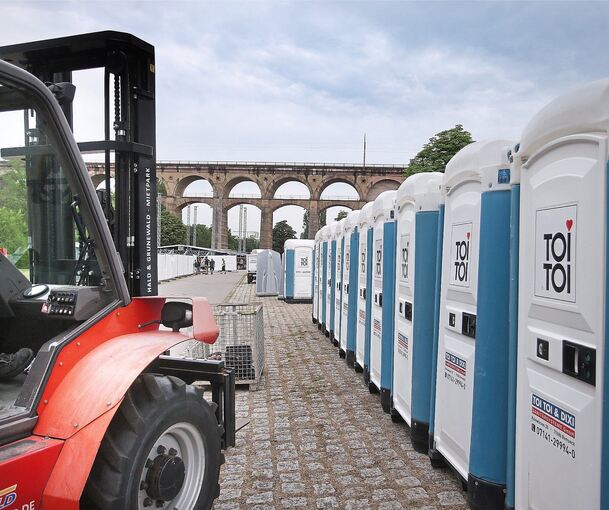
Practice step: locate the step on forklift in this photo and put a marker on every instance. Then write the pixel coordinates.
(104, 418)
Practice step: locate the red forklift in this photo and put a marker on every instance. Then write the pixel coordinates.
(104, 418)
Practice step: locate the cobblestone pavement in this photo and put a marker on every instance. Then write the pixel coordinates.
(317, 438)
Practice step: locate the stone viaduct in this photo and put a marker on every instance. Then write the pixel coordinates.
(369, 181)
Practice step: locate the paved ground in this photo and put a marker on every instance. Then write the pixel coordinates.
(317, 438)
(215, 287)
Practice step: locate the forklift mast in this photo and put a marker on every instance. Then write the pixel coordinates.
(129, 144)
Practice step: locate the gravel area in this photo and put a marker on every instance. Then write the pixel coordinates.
(317, 438)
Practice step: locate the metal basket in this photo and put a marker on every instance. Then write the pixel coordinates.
(241, 341)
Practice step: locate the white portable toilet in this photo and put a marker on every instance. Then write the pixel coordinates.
(562, 414)
(418, 202)
(471, 402)
(298, 256)
(331, 279)
(281, 294)
(338, 279)
(383, 290)
(322, 274)
(364, 275)
(268, 273)
(348, 291)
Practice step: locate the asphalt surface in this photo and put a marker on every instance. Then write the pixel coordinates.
(215, 287)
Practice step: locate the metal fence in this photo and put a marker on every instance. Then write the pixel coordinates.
(241, 341)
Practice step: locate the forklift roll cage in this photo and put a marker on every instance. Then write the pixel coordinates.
(129, 134)
(61, 426)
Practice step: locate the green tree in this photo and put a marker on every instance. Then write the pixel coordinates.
(203, 236)
(251, 243)
(13, 211)
(173, 231)
(305, 225)
(13, 230)
(160, 188)
(233, 241)
(281, 233)
(436, 153)
(341, 214)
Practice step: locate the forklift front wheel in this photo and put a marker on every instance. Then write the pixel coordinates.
(162, 450)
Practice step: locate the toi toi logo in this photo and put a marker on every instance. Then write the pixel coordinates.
(555, 253)
(405, 256)
(461, 239)
(557, 265)
(378, 256)
(462, 259)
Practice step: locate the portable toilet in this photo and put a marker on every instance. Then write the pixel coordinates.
(418, 201)
(298, 257)
(349, 289)
(364, 273)
(316, 309)
(471, 403)
(323, 274)
(281, 294)
(338, 280)
(331, 281)
(562, 414)
(383, 289)
(268, 273)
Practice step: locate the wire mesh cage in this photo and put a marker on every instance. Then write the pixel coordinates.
(240, 343)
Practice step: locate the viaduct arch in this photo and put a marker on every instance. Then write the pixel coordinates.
(369, 181)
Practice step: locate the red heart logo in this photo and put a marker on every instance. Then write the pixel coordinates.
(468, 234)
(569, 225)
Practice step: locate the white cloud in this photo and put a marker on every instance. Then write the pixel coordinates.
(303, 81)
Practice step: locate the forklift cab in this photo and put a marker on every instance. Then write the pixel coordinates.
(54, 275)
(71, 259)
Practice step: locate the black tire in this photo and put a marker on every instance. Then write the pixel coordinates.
(152, 405)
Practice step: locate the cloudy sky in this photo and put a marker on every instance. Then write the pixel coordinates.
(303, 81)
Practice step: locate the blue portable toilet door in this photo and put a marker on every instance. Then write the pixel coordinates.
(315, 281)
(288, 274)
(282, 275)
(458, 305)
(404, 303)
(376, 325)
(562, 335)
(362, 292)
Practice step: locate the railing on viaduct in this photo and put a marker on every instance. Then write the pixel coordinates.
(369, 181)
